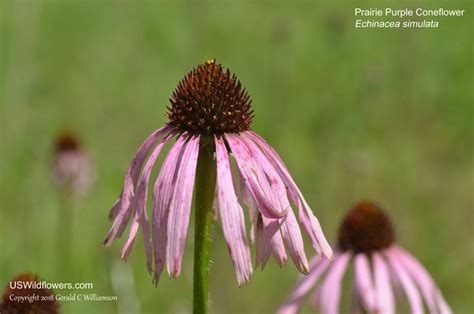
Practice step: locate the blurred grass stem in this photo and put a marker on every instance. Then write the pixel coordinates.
(64, 230)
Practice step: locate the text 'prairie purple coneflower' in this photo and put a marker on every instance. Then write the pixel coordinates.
(209, 118)
(23, 296)
(366, 238)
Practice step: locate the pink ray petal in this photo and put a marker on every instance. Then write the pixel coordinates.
(180, 207)
(304, 285)
(253, 178)
(252, 208)
(269, 239)
(249, 202)
(444, 308)
(252, 233)
(162, 194)
(232, 216)
(115, 208)
(127, 248)
(385, 299)
(122, 215)
(331, 287)
(294, 241)
(278, 248)
(289, 227)
(306, 216)
(428, 288)
(275, 188)
(263, 245)
(411, 291)
(315, 297)
(141, 197)
(363, 282)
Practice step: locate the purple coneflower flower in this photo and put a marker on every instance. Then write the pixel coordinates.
(366, 237)
(210, 113)
(22, 295)
(72, 167)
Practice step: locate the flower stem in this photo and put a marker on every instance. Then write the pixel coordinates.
(64, 232)
(204, 199)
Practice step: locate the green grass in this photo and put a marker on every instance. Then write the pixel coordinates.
(379, 114)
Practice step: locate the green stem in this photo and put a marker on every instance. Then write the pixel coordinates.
(64, 231)
(204, 199)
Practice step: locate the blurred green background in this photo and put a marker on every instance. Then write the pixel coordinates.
(356, 114)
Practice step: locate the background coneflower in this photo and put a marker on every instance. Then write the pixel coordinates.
(73, 174)
(72, 168)
(210, 116)
(44, 303)
(366, 236)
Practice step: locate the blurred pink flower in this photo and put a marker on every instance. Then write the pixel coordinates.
(211, 113)
(366, 239)
(72, 168)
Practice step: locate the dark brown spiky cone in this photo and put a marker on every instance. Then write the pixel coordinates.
(66, 141)
(365, 228)
(210, 101)
(38, 306)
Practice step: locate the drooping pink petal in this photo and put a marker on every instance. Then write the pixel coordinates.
(428, 288)
(363, 282)
(304, 285)
(115, 208)
(274, 188)
(252, 233)
(278, 248)
(253, 177)
(127, 248)
(306, 216)
(331, 287)
(120, 221)
(141, 197)
(294, 241)
(398, 291)
(383, 288)
(140, 200)
(268, 240)
(249, 202)
(162, 194)
(289, 227)
(232, 216)
(444, 308)
(313, 228)
(262, 244)
(252, 208)
(180, 207)
(121, 213)
(411, 291)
